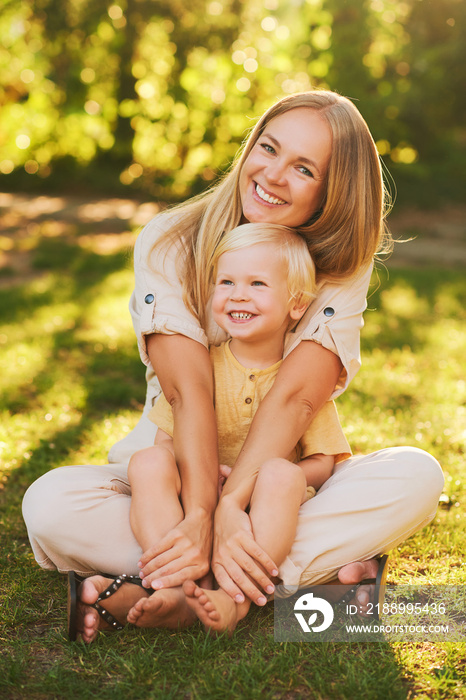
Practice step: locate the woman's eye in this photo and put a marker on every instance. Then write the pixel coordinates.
(305, 171)
(267, 147)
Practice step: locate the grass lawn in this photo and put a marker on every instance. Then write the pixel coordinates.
(72, 384)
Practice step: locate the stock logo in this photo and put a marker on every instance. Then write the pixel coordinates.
(309, 603)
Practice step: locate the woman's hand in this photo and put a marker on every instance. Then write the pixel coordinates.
(184, 553)
(238, 562)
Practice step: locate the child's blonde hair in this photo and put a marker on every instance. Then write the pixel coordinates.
(291, 249)
(344, 235)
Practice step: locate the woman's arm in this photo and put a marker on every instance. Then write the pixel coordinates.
(185, 372)
(305, 380)
(334, 320)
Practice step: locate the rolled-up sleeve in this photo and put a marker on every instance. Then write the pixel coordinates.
(334, 320)
(156, 305)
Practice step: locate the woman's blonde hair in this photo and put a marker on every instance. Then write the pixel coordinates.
(344, 235)
(291, 248)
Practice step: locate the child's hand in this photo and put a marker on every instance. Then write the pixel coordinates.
(224, 473)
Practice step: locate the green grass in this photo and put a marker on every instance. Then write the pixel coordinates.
(73, 384)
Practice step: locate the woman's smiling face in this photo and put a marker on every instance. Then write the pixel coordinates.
(282, 179)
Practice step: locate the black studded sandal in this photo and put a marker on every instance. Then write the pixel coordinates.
(74, 580)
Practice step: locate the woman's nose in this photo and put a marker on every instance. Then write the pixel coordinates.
(276, 172)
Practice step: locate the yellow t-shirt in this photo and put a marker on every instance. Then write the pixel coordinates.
(237, 395)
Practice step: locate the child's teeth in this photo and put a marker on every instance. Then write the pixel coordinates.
(240, 315)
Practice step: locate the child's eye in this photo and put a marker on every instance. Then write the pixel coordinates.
(228, 282)
(258, 283)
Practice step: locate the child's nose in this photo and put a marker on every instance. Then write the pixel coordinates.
(240, 292)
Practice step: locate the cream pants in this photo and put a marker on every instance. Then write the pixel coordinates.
(78, 517)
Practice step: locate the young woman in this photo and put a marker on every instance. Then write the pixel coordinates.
(310, 163)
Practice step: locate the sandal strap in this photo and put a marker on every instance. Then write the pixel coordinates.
(110, 590)
(117, 583)
(108, 617)
(348, 595)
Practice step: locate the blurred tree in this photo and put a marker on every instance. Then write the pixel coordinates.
(156, 95)
(431, 77)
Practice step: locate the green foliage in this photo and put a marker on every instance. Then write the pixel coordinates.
(157, 95)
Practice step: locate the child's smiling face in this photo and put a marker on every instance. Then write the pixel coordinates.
(251, 300)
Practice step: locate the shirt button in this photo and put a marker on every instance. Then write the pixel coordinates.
(248, 400)
(149, 298)
(329, 311)
(252, 377)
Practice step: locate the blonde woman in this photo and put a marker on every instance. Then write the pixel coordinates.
(311, 164)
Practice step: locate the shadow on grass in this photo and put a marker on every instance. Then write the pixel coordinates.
(109, 380)
(80, 282)
(82, 270)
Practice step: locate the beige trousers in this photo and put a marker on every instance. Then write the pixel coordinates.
(78, 517)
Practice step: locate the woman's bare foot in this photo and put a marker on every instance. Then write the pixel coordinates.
(215, 609)
(356, 572)
(89, 621)
(165, 608)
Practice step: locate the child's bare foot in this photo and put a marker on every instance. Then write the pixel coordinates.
(89, 621)
(165, 608)
(215, 609)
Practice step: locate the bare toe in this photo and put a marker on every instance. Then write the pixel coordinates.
(215, 609)
(166, 608)
(190, 588)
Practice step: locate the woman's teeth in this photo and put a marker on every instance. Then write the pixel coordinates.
(240, 315)
(267, 197)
